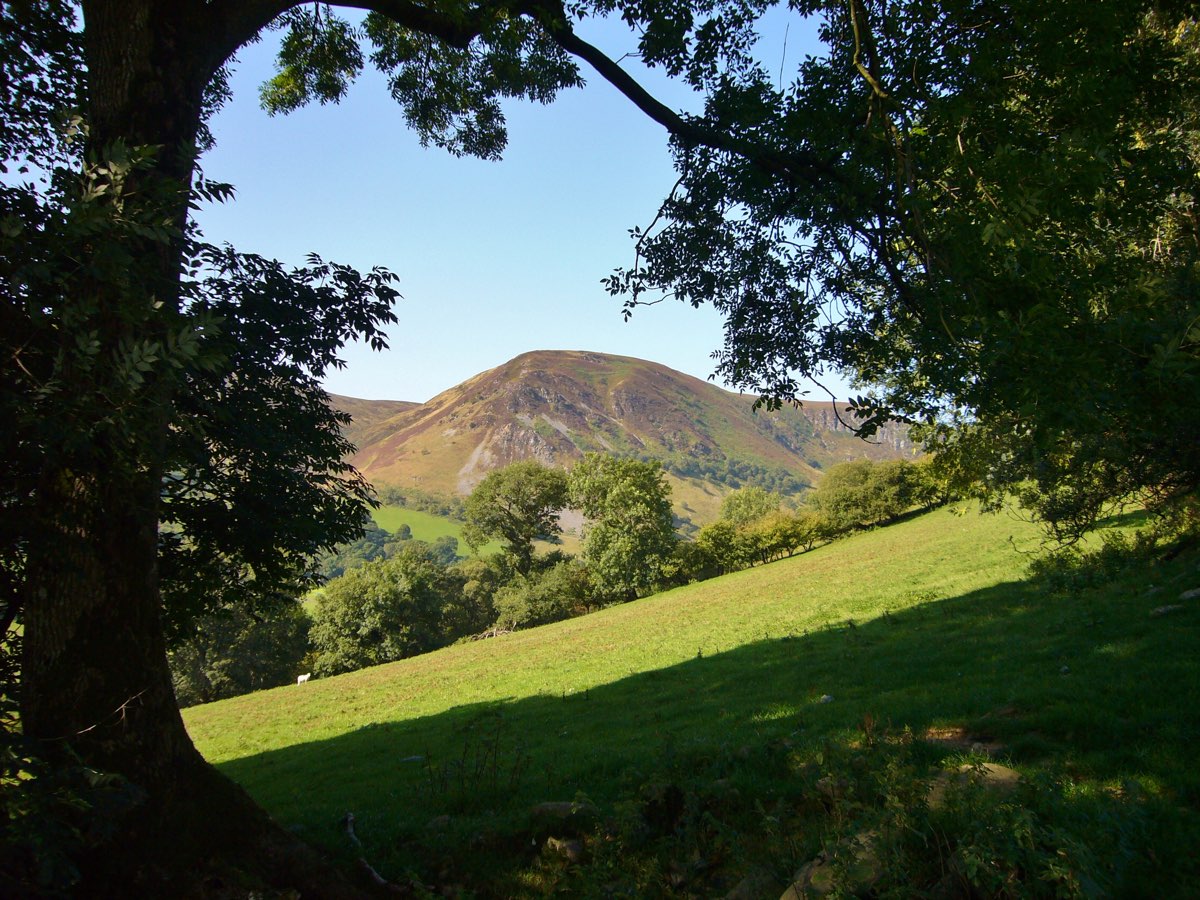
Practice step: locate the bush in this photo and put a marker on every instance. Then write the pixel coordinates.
(382, 611)
(234, 651)
(473, 609)
(560, 592)
(862, 494)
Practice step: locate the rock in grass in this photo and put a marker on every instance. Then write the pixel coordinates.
(562, 809)
(992, 776)
(862, 869)
(753, 886)
(572, 851)
(826, 698)
(1193, 594)
(1165, 610)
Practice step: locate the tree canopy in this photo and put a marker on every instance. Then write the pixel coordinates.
(748, 504)
(517, 504)
(630, 532)
(987, 212)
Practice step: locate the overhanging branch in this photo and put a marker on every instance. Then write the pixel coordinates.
(236, 22)
(802, 168)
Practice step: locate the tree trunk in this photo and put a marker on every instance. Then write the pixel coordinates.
(95, 682)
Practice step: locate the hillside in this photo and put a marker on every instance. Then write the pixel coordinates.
(555, 406)
(890, 655)
(366, 414)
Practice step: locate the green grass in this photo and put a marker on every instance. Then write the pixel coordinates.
(926, 624)
(429, 527)
(425, 526)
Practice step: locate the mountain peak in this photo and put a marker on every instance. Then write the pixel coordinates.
(556, 405)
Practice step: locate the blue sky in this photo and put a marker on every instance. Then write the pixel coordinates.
(493, 258)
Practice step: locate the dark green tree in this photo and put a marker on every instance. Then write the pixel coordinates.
(722, 548)
(124, 406)
(382, 611)
(518, 504)
(472, 610)
(232, 651)
(629, 535)
(863, 493)
(559, 592)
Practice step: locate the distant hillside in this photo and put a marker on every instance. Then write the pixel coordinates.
(555, 406)
(367, 413)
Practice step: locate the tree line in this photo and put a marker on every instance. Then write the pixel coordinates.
(401, 597)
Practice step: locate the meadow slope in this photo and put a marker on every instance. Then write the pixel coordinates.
(929, 625)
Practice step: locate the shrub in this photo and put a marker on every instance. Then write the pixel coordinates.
(560, 592)
(234, 651)
(382, 611)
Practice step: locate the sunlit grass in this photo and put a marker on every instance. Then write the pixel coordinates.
(929, 623)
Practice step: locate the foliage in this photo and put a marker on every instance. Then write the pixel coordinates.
(256, 481)
(472, 609)
(733, 472)
(723, 547)
(518, 504)
(864, 493)
(944, 205)
(380, 612)
(458, 109)
(747, 505)
(413, 498)
(562, 591)
(444, 550)
(232, 651)
(375, 543)
(629, 534)
(259, 483)
(781, 534)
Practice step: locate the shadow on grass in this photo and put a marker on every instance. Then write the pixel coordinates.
(1092, 687)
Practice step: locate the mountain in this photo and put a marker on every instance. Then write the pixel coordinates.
(555, 406)
(365, 414)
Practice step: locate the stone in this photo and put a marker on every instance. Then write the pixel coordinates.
(563, 809)
(992, 776)
(574, 817)
(826, 698)
(833, 788)
(1165, 610)
(754, 886)
(862, 870)
(571, 850)
(1193, 594)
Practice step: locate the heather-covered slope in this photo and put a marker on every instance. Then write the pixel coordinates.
(556, 405)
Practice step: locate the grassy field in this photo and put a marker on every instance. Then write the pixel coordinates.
(758, 682)
(428, 527)
(425, 526)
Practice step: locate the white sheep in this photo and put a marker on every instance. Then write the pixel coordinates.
(303, 678)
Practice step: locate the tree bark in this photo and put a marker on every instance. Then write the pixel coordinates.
(96, 686)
